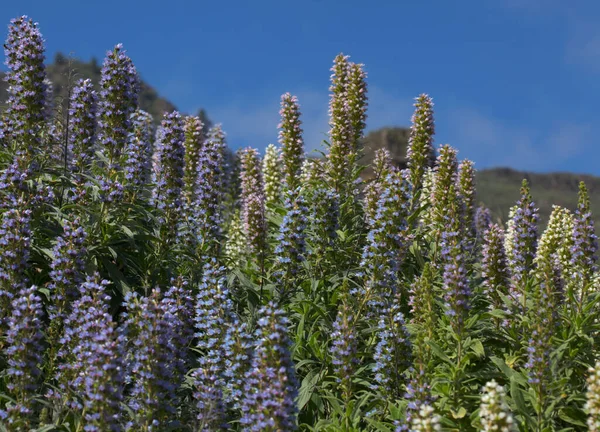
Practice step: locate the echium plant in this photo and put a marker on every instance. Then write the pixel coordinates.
(422, 302)
(253, 202)
(592, 405)
(26, 112)
(392, 354)
(387, 242)
(290, 251)
(356, 98)
(521, 239)
(193, 145)
(466, 190)
(66, 275)
(15, 242)
(92, 373)
(138, 163)
(382, 167)
(272, 175)
(169, 176)
(152, 329)
(212, 310)
(237, 351)
(585, 246)
(82, 127)
(494, 267)
(271, 388)
(68, 267)
(446, 205)
(553, 244)
(23, 350)
(291, 141)
(235, 242)
(494, 413)
(323, 222)
(344, 349)
(118, 101)
(426, 420)
(420, 152)
(483, 219)
(208, 205)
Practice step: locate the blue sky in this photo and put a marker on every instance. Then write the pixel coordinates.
(515, 82)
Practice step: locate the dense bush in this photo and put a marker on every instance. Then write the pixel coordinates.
(149, 284)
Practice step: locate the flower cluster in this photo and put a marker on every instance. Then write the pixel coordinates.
(209, 190)
(212, 311)
(290, 251)
(68, 267)
(387, 242)
(393, 352)
(420, 152)
(271, 387)
(592, 405)
(139, 151)
(152, 328)
(91, 374)
(118, 101)
(426, 420)
(26, 113)
(585, 244)
(494, 413)
(193, 145)
(483, 219)
(15, 241)
(82, 126)
(466, 190)
(169, 172)
(494, 268)
(344, 348)
(272, 175)
(382, 167)
(24, 349)
(521, 240)
(253, 202)
(290, 139)
(235, 246)
(324, 216)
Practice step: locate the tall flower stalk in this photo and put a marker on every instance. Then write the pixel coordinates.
(271, 387)
(420, 144)
(291, 141)
(27, 104)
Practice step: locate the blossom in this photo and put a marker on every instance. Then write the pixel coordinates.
(253, 202)
(139, 151)
(494, 267)
(494, 414)
(118, 101)
(290, 251)
(26, 105)
(82, 126)
(193, 144)
(91, 374)
(272, 175)
(24, 351)
(393, 351)
(420, 152)
(290, 139)
(271, 388)
(592, 404)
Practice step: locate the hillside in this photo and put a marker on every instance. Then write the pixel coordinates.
(498, 188)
